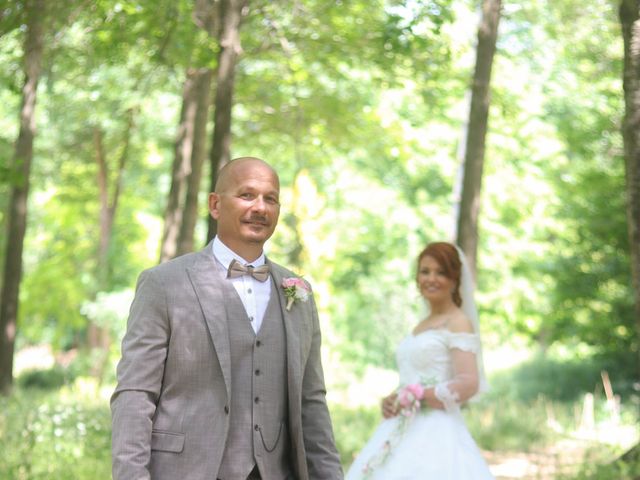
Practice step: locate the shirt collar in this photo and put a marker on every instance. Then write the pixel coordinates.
(224, 255)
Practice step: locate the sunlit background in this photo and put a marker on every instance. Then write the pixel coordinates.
(362, 107)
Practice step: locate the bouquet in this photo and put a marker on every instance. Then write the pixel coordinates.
(409, 402)
(409, 398)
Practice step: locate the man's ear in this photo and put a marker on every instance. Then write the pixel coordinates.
(214, 200)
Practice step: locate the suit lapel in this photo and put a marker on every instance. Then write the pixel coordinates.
(292, 330)
(211, 290)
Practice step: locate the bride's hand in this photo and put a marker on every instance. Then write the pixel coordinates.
(390, 406)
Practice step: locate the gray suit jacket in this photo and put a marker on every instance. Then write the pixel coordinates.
(170, 409)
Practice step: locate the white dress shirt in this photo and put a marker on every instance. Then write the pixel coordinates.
(253, 294)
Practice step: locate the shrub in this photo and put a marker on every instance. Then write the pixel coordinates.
(564, 380)
(352, 428)
(596, 466)
(52, 435)
(49, 379)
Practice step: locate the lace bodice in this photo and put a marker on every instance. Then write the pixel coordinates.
(426, 357)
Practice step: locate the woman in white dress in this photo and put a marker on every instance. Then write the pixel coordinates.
(423, 435)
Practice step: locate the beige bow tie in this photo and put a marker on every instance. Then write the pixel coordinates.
(236, 269)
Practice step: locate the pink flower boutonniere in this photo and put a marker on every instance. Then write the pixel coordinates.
(295, 289)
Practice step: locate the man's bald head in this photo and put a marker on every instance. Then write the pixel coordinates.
(246, 205)
(237, 166)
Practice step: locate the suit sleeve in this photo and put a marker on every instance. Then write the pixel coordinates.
(323, 461)
(140, 372)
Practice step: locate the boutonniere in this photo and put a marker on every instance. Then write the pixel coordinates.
(295, 289)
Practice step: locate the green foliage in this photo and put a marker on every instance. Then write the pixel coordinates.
(534, 403)
(352, 428)
(50, 436)
(50, 379)
(504, 424)
(566, 379)
(611, 468)
(529, 408)
(109, 311)
(592, 297)
(365, 102)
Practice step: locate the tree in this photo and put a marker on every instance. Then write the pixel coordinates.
(98, 337)
(190, 149)
(469, 209)
(630, 21)
(180, 214)
(22, 159)
(231, 12)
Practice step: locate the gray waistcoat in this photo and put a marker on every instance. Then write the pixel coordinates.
(258, 432)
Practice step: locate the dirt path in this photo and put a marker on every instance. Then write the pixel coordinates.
(563, 458)
(537, 465)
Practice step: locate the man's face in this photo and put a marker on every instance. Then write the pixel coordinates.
(247, 205)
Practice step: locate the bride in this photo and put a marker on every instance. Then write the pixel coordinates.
(423, 435)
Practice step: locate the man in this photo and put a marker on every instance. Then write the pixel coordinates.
(219, 378)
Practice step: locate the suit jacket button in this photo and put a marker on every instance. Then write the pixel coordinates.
(256, 427)
(257, 399)
(226, 409)
(257, 371)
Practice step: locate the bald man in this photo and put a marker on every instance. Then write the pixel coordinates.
(220, 378)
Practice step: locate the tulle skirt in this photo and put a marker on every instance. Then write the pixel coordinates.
(434, 445)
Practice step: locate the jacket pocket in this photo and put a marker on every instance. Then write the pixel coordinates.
(167, 441)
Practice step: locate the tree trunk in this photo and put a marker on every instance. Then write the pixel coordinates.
(630, 22)
(182, 208)
(198, 154)
(98, 337)
(231, 12)
(467, 225)
(181, 167)
(17, 216)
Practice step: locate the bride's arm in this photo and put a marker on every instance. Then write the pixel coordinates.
(446, 395)
(464, 384)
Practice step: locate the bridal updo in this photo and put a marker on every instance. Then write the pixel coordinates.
(447, 257)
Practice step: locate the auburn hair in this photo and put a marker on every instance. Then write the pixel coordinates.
(448, 259)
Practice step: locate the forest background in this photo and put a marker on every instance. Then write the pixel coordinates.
(362, 107)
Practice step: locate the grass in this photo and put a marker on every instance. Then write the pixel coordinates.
(57, 426)
(536, 409)
(55, 434)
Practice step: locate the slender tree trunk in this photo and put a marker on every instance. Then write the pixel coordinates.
(182, 207)
(467, 225)
(105, 213)
(198, 154)
(98, 337)
(181, 167)
(630, 21)
(17, 217)
(94, 333)
(231, 12)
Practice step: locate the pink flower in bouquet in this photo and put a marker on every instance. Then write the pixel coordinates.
(295, 289)
(409, 398)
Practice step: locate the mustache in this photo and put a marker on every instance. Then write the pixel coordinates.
(258, 218)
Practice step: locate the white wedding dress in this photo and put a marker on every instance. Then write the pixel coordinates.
(434, 444)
